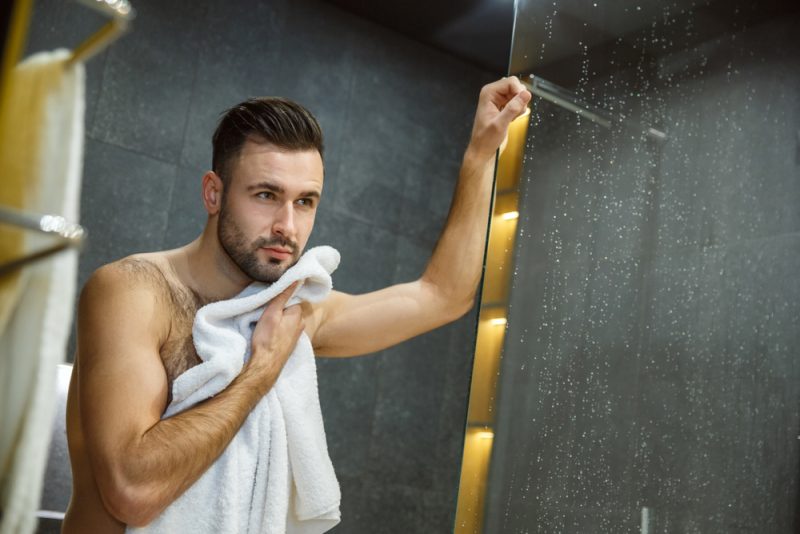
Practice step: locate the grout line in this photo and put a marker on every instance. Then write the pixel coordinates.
(135, 151)
(192, 95)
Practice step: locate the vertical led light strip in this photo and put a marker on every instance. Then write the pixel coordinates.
(491, 332)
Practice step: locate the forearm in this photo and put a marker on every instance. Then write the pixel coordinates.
(455, 268)
(160, 465)
(456, 264)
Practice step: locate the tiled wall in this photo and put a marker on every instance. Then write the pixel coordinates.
(396, 115)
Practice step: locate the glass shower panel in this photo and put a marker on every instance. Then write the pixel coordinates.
(650, 379)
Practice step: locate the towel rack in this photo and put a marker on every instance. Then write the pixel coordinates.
(121, 14)
(569, 100)
(68, 235)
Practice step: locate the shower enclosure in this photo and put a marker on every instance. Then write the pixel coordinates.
(650, 374)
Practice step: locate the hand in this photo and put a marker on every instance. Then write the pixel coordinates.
(276, 333)
(500, 103)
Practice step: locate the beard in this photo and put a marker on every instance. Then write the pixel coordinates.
(244, 255)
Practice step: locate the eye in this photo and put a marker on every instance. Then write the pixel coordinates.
(307, 202)
(265, 195)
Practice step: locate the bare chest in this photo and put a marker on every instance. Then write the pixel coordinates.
(178, 353)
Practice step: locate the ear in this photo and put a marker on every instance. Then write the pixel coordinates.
(212, 192)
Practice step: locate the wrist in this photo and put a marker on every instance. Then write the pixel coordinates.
(261, 363)
(475, 157)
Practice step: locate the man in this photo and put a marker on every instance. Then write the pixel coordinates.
(135, 315)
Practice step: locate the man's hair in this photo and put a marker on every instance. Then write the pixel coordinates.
(274, 120)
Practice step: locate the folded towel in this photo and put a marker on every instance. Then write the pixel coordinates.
(41, 157)
(275, 476)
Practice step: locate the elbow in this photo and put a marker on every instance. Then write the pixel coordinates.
(450, 303)
(131, 504)
(456, 308)
(460, 303)
(465, 307)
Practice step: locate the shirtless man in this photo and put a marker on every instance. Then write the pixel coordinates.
(135, 315)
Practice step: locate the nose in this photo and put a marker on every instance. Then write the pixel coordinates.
(284, 221)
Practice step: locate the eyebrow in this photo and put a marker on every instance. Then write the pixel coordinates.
(275, 188)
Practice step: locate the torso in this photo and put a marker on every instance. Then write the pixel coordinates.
(86, 512)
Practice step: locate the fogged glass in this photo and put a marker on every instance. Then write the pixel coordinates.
(650, 379)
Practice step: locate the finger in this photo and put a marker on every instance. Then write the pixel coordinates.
(515, 107)
(516, 84)
(504, 85)
(284, 296)
(512, 86)
(293, 311)
(276, 305)
(301, 325)
(503, 90)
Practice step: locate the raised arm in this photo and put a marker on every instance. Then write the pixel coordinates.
(348, 325)
(141, 463)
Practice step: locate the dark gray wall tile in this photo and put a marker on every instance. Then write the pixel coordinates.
(368, 251)
(348, 389)
(410, 393)
(452, 415)
(239, 59)
(148, 79)
(411, 511)
(186, 216)
(125, 200)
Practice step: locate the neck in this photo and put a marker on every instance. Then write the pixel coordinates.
(209, 269)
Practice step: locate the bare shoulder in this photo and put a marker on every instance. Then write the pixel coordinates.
(146, 273)
(141, 271)
(134, 289)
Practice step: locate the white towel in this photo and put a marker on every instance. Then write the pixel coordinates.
(43, 147)
(275, 476)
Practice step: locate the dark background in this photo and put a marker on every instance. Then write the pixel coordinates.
(396, 115)
(651, 358)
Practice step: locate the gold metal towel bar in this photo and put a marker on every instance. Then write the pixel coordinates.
(121, 14)
(68, 235)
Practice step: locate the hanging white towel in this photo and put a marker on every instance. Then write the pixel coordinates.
(275, 476)
(43, 145)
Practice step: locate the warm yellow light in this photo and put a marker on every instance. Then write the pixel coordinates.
(485, 434)
(509, 215)
(500, 321)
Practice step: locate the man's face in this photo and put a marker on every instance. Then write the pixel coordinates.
(268, 208)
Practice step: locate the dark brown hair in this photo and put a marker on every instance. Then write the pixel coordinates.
(274, 120)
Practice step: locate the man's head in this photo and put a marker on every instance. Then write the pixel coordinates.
(274, 120)
(267, 171)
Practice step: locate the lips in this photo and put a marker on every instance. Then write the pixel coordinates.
(279, 253)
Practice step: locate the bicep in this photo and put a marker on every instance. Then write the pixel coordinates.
(351, 325)
(122, 384)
